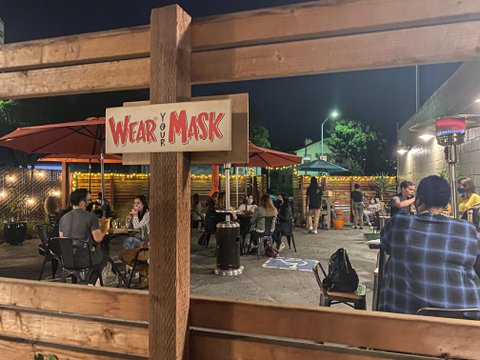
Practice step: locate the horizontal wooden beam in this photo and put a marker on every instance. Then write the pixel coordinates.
(325, 18)
(91, 301)
(376, 330)
(76, 79)
(296, 22)
(109, 45)
(426, 45)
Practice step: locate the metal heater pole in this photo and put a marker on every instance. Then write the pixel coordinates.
(236, 185)
(227, 185)
(451, 157)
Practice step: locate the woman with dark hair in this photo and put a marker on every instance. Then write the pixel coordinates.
(52, 209)
(138, 219)
(284, 221)
(196, 212)
(468, 197)
(432, 256)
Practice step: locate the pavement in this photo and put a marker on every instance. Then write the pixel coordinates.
(256, 282)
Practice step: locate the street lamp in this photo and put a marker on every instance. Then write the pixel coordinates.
(334, 114)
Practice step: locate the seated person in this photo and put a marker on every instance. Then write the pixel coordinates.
(215, 214)
(468, 199)
(99, 206)
(266, 208)
(248, 204)
(196, 212)
(138, 219)
(79, 224)
(284, 221)
(370, 211)
(432, 256)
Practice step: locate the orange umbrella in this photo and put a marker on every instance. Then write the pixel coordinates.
(74, 158)
(261, 157)
(215, 179)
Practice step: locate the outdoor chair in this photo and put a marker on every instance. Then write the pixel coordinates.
(77, 261)
(261, 237)
(138, 265)
(354, 299)
(47, 251)
(449, 313)
(287, 230)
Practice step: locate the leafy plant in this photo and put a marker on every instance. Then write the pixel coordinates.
(44, 357)
(16, 207)
(382, 184)
(443, 173)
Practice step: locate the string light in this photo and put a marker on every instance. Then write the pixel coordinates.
(3, 194)
(40, 174)
(30, 201)
(10, 178)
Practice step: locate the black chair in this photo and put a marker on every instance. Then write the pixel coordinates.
(261, 237)
(356, 299)
(137, 265)
(47, 251)
(77, 261)
(449, 313)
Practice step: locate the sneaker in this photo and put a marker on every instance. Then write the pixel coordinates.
(354, 228)
(315, 232)
(361, 228)
(310, 228)
(282, 246)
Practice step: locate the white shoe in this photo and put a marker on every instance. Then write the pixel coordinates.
(315, 232)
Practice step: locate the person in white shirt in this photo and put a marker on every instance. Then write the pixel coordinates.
(248, 204)
(138, 219)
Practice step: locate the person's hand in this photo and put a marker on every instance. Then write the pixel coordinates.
(133, 212)
(104, 224)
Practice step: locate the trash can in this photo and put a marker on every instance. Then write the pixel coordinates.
(228, 248)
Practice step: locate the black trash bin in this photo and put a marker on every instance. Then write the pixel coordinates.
(228, 248)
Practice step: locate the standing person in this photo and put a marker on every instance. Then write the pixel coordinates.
(138, 219)
(432, 256)
(468, 197)
(402, 202)
(284, 221)
(314, 204)
(79, 224)
(357, 206)
(196, 212)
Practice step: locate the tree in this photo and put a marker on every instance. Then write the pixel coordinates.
(359, 145)
(258, 133)
(8, 110)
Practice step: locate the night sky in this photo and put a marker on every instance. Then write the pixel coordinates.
(377, 97)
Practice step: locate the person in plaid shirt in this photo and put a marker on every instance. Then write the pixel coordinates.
(432, 256)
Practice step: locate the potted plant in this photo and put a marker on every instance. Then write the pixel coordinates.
(382, 184)
(15, 228)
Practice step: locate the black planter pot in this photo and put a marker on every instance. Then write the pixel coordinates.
(15, 233)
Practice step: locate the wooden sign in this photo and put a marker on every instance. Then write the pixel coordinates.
(239, 152)
(177, 127)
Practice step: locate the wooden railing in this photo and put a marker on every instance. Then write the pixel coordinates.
(81, 322)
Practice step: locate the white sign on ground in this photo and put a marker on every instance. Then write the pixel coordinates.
(177, 127)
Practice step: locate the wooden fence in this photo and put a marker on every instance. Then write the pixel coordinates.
(337, 191)
(105, 324)
(121, 189)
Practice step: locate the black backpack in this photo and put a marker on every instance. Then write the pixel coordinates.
(341, 277)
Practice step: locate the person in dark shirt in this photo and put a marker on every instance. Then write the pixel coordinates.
(314, 204)
(402, 202)
(284, 221)
(432, 256)
(357, 206)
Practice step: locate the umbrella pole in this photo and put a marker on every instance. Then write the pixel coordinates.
(246, 181)
(102, 176)
(89, 175)
(236, 185)
(227, 186)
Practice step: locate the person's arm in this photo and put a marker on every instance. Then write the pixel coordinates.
(98, 232)
(473, 201)
(138, 224)
(401, 204)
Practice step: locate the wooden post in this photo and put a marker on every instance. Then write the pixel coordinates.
(169, 279)
(65, 184)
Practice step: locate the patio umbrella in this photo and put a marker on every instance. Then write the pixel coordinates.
(85, 137)
(324, 167)
(261, 157)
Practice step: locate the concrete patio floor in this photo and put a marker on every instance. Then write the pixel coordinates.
(256, 282)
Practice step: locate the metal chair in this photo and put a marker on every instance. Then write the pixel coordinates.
(287, 230)
(47, 251)
(354, 299)
(77, 261)
(449, 313)
(137, 265)
(261, 237)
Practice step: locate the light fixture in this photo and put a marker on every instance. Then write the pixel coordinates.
(56, 193)
(477, 100)
(30, 201)
(426, 137)
(402, 151)
(3, 194)
(40, 174)
(11, 178)
(334, 114)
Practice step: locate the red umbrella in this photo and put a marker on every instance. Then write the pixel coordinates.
(85, 137)
(75, 158)
(261, 157)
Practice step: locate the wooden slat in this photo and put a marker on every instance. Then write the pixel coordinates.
(301, 21)
(386, 331)
(325, 18)
(76, 79)
(100, 46)
(211, 347)
(78, 331)
(85, 300)
(427, 45)
(19, 349)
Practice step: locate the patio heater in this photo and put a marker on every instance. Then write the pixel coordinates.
(450, 132)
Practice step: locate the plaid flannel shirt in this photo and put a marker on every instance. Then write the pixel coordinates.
(430, 264)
